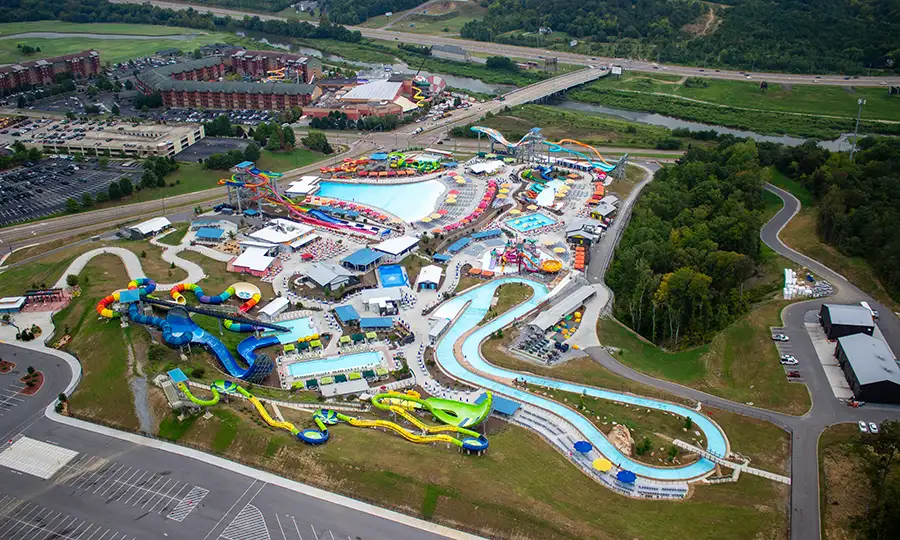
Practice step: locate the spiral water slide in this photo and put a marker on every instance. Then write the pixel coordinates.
(597, 161)
(496, 136)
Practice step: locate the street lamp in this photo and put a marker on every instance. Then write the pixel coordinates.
(859, 102)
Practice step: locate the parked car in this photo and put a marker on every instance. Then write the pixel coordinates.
(781, 337)
(873, 427)
(863, 428)
(788, 360)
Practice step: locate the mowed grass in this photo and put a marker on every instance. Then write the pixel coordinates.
(522, 488)
(218, 278)
(740, 364)
(174, 238)
(429, 24)
(792, 186)
(285, 161)
(43, 272)
(8, 29)
(111, 50)
(101, 346)
(152, 263)
(508, 295)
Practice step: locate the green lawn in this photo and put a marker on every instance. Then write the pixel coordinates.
(174, 238)
(508, 296)
(794, 187)
(111, 50)
(285, 161)
(434, 25)
(8, 29)
(743, 105)
(846, 490)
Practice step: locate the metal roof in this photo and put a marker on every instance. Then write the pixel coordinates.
(501, 405)
(323, 274)
(346, 313)
(567, 305)
(870, 359)
(374, 91)
(376, 322)
(362, 257)
(210, 233)
(396, 246)
(849, 315)
(151, 225)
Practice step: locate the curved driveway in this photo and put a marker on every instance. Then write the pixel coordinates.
(826, 409)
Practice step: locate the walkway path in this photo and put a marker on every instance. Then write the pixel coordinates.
(132, 266)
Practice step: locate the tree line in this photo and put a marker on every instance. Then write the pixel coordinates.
(340, 120)
(858, 202)
(680, 269)
(94, 11)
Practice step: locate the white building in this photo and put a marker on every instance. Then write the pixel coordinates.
(429, 277)
(395, 249)
(307, 185)
(273, 308)
(281, 231)
(149, 228)
(486, 167)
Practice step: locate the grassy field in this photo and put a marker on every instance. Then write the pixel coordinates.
(218, 279)
(845, 490)
(741, 363)
(8, 29)
(285, 161)
(520, 489)
(557, 123)
(803, 195)
(174, 238)
(111, 50)
(452, 16)
(508, 296)
(829, 110)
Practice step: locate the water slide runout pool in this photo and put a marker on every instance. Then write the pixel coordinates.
(480, 298)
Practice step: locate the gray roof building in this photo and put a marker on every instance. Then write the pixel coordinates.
(870, 368)
(328, 275)
(562, 308)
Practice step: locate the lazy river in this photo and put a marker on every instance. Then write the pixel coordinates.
(480, 298)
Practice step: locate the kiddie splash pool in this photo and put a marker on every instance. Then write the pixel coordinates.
(360, 361)
(409, 202)
(530, 222)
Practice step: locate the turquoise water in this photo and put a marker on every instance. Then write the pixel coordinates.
(529, 222)
(350, 362)
(473, 314)
(300, 328)
(409, 202)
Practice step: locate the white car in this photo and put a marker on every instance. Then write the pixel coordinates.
(863, 428)
(873, 427)
(781, 337)
(789, 360)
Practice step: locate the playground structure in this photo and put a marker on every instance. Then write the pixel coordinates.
(178, 330)
(523, 255)
(249, 184)
(528, 149)
(389, 165)
(456, 417)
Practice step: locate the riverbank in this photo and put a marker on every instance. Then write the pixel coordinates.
(797, 110)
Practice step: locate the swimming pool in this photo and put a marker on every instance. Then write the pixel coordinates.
(546, 197)
(409, 202)
(299, 328)
(392, 275)
(359, 361)
(530, 222)
(480, 299)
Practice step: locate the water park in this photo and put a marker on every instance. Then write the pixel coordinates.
(364, 299)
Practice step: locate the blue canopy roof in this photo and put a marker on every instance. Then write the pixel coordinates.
(251, 212)
(371, 323)
(346, 313)
(379, 156)
(441, 257)
(129, 296)
(209, 233)
(177, 376)
(362, 257)
(490, 233)
(501, 405)
(457, 246)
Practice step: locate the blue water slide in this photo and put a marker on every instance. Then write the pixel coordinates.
(322, 216)
(545, 173)
(168, 332)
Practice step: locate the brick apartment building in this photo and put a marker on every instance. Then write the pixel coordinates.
(43, 72)
(198, 83)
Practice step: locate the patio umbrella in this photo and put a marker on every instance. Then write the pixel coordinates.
(583, 447)
(506, 185)
(436, 230)
(627, 477)
(515, 211)
(504, 190)
(461, 181)
(532, 207)
(602, 464)
(435, 216)
(549, 242)
(559, 195)
(425, 219)
(570, 181)
(559, 250)
(443, 212)
(453, 192)
(501, 196)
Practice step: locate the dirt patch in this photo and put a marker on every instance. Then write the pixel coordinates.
(847, 491)
(705, 26)
(33, 383)
(6, 367)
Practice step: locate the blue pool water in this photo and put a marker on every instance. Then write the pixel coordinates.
(473, 314)
(392, 275)
(409, 202)
(300, 328)
(350, 362)
(529, 222)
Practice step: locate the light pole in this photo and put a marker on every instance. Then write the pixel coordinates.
(859, 102)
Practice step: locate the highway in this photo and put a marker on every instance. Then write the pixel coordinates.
(539, 54)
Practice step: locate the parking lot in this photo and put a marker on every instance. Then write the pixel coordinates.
(42, 189)
(243, 117)
(204, 148)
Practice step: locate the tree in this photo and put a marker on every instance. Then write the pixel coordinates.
(102, 196)
(114, 192)
(197, 55)
(87, 201)
(290, 139)
(71, 280)
(72, 205)
(129, 85)
(318, 141)
(275, 142)
(125, 186)
(251, 153)
(148, 179)
(160, 181)
(501, 63)
(115, 109)
(103, 163)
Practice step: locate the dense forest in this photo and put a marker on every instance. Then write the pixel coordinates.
(788, 35)
(94, 11)
(693, 241)
(859, 201)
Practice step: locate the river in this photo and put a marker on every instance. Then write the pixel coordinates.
(835, 145)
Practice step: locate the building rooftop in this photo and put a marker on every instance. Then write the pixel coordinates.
(362, 257)
(429, 274)
(870, 359)
(849, 315)
(273, 307)
(209, 233)
(151, 225)
(280, 231)
(324, 273)
(160, 79)
(376, 322)
(305, 186)
(563, 307)
(396, 246)
(346, 313)
(254, 258)
(374, 91)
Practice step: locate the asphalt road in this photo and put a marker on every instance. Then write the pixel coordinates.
(826, 410)
(116, 489)
(537, 54)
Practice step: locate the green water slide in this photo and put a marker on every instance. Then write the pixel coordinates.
(217, 388)
(447, 411)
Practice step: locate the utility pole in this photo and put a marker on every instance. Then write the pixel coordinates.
(859, 102)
